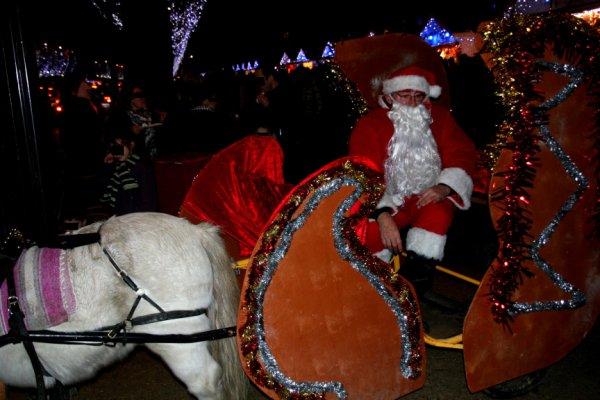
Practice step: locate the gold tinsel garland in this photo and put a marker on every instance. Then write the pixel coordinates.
(373, 187)
(341, 84)
(515, 43)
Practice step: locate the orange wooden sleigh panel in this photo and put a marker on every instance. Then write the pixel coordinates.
(364, 59)
(320, 317)
(565, 257)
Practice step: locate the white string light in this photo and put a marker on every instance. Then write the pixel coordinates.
(53, 61)
(184, 19)
(109, 10)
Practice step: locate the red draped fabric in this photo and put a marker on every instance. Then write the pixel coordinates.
(238, 189)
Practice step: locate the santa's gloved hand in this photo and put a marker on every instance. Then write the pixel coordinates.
(390, 235)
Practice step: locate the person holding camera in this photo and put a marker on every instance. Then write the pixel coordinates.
(131, 185)
(122, 189)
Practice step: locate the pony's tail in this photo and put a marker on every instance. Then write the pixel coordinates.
(222, 313)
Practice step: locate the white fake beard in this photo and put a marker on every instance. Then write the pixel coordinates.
(413, 162)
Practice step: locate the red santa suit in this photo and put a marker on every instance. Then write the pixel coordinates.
(457, 156)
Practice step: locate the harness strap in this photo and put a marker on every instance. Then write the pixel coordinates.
(38, 369)
(18, 331)
(167, 315)
(101, 337)
(127, 279)
(67, 242)
(129, 323)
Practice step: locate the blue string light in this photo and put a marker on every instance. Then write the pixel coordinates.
(301, 57)
(435, 35)
(329, 51)
(285, 59)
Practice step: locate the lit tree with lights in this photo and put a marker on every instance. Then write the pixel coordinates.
(184, 18)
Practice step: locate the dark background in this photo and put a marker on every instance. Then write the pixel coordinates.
(229, 32)
(233, 31)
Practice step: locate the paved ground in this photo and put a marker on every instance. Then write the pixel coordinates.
(143, 376)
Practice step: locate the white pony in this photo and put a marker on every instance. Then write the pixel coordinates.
(180, 266)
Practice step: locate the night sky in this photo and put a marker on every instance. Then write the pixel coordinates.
(232, 31)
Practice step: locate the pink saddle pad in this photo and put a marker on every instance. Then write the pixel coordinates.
(44, 288)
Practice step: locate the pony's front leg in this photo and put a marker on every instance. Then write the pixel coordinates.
(2, 391)
(194, 366)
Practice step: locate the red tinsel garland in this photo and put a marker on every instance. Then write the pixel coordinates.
(515, 43)
(373, 188)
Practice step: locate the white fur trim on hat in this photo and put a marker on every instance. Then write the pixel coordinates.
(461, 183)
(435, 91)
(414, 82)
(426, 243)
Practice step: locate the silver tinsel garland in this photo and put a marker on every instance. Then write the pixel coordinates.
(577, 297)
(410, 345)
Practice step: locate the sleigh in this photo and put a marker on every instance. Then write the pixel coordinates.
(320, 317)
(308, 275)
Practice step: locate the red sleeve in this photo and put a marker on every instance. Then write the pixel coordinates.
(370, 137)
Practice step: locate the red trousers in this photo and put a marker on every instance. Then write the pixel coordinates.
(434, 217)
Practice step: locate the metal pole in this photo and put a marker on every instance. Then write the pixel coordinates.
(25, 202)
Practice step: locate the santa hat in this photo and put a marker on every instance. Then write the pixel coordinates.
(412, 77)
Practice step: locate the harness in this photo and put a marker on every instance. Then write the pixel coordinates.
(109, 335)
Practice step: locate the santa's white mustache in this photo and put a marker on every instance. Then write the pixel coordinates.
(413, 163)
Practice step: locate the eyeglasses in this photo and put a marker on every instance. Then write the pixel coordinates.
(408, 96)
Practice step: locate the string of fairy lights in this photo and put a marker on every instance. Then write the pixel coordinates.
(184, 17)
(54, 60)
(109, 10)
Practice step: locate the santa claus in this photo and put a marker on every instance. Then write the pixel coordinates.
(427, 161)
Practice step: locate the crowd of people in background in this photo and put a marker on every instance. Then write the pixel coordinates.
(107, 151)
